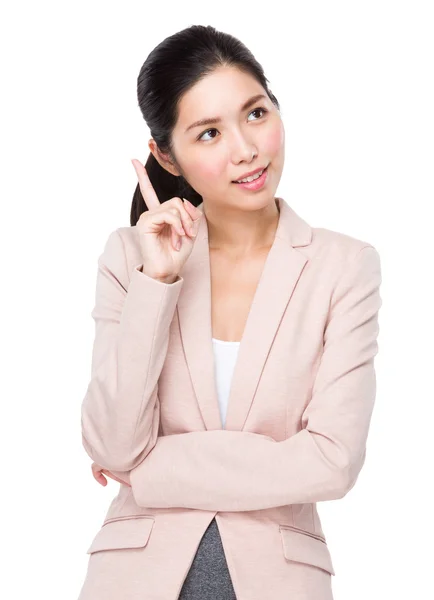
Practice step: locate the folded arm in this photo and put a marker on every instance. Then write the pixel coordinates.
(224, 470)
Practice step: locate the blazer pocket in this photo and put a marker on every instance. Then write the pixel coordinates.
(306, 547)
(123, 532)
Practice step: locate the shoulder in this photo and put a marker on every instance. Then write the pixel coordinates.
(340, 251)
(321, 243)
(337, 241)
(331, 251)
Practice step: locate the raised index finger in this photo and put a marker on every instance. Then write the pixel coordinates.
(148, 192)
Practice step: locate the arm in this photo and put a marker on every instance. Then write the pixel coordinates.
(120, 412)
(224, 470)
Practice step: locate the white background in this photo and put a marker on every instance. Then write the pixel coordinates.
(355, 84)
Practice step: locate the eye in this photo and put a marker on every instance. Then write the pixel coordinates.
(264, 110)
(202, 134)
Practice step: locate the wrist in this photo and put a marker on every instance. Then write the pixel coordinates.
(162, 279)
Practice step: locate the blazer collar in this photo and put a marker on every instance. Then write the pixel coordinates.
(282, 269)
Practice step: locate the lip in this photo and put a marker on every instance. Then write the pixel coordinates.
(250, 173)
(256, 184)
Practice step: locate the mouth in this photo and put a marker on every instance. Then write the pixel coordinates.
(256, 182)
(255, 176)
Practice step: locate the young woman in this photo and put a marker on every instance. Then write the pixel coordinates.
(233, 377)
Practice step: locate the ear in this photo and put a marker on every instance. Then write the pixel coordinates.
(163, 159)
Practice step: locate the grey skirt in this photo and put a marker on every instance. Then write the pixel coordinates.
(208, 577)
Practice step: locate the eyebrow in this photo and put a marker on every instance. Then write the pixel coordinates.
(214, 120)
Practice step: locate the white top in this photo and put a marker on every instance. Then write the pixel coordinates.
(225, 357)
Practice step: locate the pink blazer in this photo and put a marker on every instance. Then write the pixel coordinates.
(298, 417)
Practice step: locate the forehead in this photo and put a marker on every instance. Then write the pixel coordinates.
(218, 94)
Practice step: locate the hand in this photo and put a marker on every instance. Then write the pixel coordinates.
(162, 227)
(98, 471)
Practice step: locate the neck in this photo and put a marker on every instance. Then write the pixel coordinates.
(239, 232)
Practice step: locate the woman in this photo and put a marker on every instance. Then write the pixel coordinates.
(233, 375)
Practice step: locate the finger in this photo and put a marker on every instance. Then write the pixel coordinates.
(186, 220)
(178, 231)
(170, 216)
(176, 239)
(97, 474)
(148, 192)
(100, 478)
(194, 212)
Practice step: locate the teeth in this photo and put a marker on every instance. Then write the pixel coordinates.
(252, 178)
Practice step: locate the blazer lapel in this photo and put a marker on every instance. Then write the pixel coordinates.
(282, 269)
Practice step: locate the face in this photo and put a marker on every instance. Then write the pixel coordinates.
(212, 155)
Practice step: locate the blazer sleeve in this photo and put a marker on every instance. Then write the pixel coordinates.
(225, 470)
(120, 412)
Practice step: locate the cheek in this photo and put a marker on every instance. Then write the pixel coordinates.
(207, 171)
(274, 141)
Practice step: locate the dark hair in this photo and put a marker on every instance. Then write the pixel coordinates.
(170, 70)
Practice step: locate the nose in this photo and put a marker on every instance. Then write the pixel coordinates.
(243, 149)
